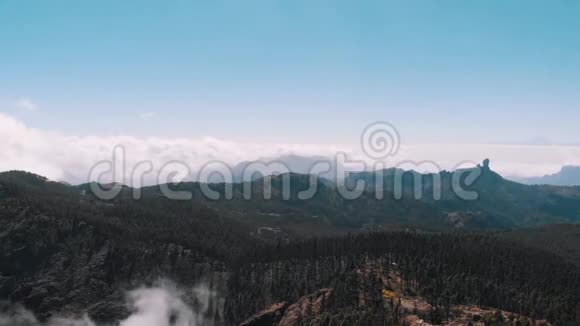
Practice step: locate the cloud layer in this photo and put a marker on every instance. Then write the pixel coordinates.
(70, 158)
(162, 305)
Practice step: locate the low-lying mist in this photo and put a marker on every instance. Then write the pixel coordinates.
(160, 305)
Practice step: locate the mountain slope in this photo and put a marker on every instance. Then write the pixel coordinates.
(500, 203)
(567, 176)
(381, 278)
(64, 251)
(560, 239)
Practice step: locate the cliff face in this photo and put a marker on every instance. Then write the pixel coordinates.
(309, 307)
(282, 314)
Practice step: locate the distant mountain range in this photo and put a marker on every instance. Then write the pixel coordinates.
(501, 203)
(251, 170)
(408, 198)
(568, 176)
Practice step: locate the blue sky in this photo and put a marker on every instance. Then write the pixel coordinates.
(294, 71)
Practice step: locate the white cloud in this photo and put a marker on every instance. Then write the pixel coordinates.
(70, 158)
(162, 305)
(27, 104)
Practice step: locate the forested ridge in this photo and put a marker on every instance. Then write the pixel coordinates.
(446, 270)
(64, 250)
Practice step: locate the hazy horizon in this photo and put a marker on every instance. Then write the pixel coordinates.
(183, 80)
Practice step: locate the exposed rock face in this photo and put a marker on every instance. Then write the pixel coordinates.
(282, 314)
(486, 164)
(414, 309)
(306, 306)
(270, 316)
(413, 320)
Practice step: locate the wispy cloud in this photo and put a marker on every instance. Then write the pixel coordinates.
(25, 103)
(147, 115)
